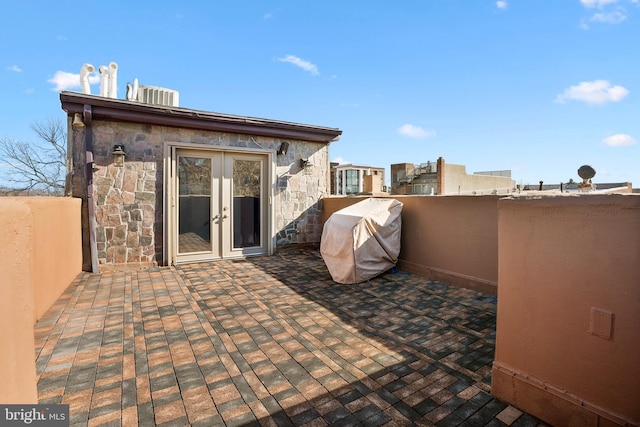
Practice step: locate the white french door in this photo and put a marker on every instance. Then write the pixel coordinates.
(220, 207)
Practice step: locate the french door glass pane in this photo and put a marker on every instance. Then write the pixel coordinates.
(194, 199)
(247, 187)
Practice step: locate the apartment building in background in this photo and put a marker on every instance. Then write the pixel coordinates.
(355, 179)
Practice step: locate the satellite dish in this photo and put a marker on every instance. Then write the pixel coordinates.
(586, 172)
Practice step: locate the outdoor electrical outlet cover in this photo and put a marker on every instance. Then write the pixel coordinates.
(601, 323)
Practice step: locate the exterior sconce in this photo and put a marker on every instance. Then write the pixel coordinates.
(282, 151)
(77, 121)
(303, 162)
(118, 155)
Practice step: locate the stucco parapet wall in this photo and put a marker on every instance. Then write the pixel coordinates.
(586, 198)
(568, 343)
(40, 248)
(537, 194)
(577, 205)
(131, 111)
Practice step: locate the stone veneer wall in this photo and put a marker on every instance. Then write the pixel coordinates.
(129, 200)
(299, 192)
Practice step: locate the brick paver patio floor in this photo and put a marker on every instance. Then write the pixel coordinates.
(269, 341)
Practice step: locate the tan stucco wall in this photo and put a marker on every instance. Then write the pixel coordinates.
(41, 251)
(57, 249)
(560, 258)
(453, 238)
(17, 348)
(457, 181)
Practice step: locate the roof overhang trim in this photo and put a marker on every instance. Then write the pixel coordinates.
(130, 111)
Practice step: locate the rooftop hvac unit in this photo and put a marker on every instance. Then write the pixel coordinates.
(158, 96)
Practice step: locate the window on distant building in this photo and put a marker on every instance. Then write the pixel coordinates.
(352, 182)
(423, 188)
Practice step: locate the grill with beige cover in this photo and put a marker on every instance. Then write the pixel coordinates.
(362, 241)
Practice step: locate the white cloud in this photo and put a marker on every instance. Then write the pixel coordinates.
(267, 16)
(30, 91)
(595, 92)
(413, 131)
(65, 81)
(298, 62)
(609, 18)
(15, 69)
(597, 3)
(502, 4)
(607, 14)
(340, 160)
(619, 140)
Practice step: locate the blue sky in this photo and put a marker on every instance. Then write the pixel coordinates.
(539, 87)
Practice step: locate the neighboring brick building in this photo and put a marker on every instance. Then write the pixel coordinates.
(440, 178)
(194, 185)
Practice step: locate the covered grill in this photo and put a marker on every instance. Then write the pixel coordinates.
(362, 241)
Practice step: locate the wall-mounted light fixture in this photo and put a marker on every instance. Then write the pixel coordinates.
(282, 151)
(77, 121)
(118, 155)
(303, 162)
